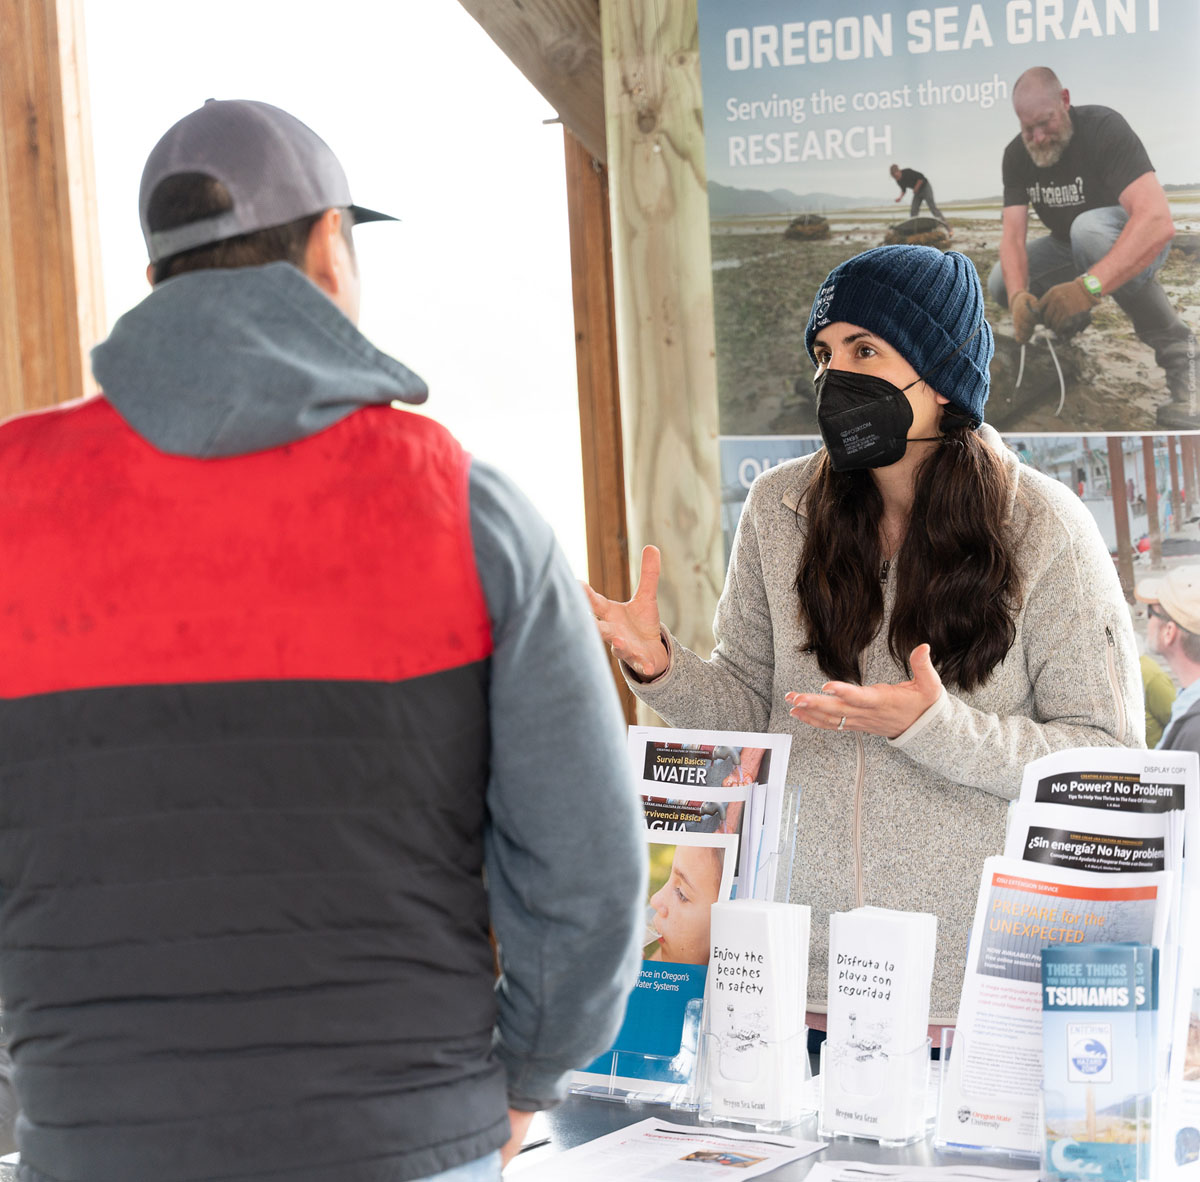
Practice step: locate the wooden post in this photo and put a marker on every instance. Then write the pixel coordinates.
(599, 391)
(1173, 469)
(1120, 500)
(51, 299)
(663, 276)
(1152, 502)
(1188, 450)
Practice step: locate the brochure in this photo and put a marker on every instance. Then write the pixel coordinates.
(873, 1171)
(1097, 1080)
(717, 781)
(1106, 840)
(712, 831)
(655, 1151)
(1119, 778)
(757, 990)
(876, 1058)
(992, 1078)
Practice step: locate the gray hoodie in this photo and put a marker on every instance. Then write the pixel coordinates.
(219, 364)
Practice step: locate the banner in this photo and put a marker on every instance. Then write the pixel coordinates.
(806, 109)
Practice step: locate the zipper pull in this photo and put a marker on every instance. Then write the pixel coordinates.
(883, 570)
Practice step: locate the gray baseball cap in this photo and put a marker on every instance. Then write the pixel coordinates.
(276, 169)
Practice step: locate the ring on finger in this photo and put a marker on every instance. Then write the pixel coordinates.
(842, 725)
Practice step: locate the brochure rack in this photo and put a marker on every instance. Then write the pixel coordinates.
(773, 1082)
(638, 1078)
(967, 1145)
(1118, 1147)
(874, 1096)
(789, 823)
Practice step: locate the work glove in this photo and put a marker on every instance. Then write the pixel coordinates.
(1025, 311)
(1066, 307)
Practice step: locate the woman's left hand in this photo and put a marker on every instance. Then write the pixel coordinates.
(880, 709)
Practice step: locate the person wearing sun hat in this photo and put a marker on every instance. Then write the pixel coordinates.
(921, 613)
(1173, 633)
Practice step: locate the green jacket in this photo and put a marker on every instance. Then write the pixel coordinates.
(1160, 693)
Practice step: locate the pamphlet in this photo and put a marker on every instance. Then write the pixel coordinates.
(1105, 840)
(655, 1151)
(757, 990)
(873, 1171)
(1097, 1079)
(1117, 810)
(1120, 778)
(876, 1058)
(992, 1079)
(709, 834)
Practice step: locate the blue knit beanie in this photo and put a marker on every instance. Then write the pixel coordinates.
(924, 303)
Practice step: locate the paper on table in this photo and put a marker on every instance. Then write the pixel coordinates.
(656, 1151)
(862, 1171)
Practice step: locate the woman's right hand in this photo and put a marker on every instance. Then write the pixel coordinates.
(633, 629)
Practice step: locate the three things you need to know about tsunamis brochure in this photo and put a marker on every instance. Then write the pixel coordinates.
(1099, 1007)
(713, 803)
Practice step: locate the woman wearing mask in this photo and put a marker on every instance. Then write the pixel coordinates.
(923, 614)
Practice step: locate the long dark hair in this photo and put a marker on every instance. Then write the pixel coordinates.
(957, 585)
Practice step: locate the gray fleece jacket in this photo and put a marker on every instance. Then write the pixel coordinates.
(906, 822)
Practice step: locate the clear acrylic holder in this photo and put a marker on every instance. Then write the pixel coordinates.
(675, 1080)
(1083, 1152)
(638, 1078)
(785, 857)
(889, 1093)
(769, 1089)
(1018, 1156)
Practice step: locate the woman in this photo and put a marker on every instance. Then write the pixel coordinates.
(922, 613)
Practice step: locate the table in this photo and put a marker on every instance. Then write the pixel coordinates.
(579, 1119)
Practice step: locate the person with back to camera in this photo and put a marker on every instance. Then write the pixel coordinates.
(920, 611)
(298, 703)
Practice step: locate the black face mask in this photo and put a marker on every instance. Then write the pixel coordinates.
(863, 419)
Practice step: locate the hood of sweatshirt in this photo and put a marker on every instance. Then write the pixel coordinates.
(224, 362)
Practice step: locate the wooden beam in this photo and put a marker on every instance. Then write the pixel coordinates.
(663, 274)
(51, 304)
(1116, 471)
(599, 390)
(556, 45)
(1176, 501)
(1152, 525)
